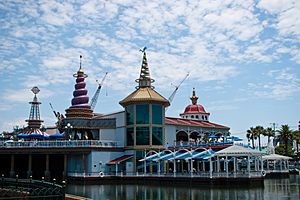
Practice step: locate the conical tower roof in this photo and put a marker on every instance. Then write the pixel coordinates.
(144, 92)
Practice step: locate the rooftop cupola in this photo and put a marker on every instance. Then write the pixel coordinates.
(144, 92)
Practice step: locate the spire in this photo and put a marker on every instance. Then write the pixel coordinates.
(34, 120)
(144, 80)
(194, 98)
(80, 72)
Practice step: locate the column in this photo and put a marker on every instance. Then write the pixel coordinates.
(234, 167)
(248, 165)
(65, 173)
(280, 165)
(226, 160)
(83, 164)
(145, 167)
(47, 171)
(158, 165)
(191, 168)
(267, 165)
(261, 164)
(218, 164)
(116, 169)
(255, 164)
(29, 172)
(210, 168)
(174, 166)
(12, 166)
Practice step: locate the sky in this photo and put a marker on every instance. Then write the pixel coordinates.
(243, 56)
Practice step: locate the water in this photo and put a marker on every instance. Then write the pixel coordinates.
(283, 188)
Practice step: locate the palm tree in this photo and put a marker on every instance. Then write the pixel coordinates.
(296, 137)
(259, 131)
(251, 134)
(285, 135)
(270, 133)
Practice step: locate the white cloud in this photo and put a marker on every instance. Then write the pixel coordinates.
(56, 13)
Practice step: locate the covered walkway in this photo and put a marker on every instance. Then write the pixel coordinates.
(234, 161)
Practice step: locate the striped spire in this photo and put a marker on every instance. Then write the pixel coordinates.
(144, 80)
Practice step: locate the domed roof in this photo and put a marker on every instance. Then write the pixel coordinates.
(194, 108)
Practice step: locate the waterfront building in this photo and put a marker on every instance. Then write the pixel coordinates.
(100, 145)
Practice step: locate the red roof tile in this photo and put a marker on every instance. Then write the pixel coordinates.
(189, 122)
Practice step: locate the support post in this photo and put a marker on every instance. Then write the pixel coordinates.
(12, 166)
(116, 169)
(83, 164)
(174, 166)
(248, 165)
(65, 166)
(226, 160)
(210, 168)
(47, 171)
(29, 172)
(234, 167)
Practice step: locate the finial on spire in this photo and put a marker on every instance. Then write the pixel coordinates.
(194, 98)
(80, 57)
(80, 72)
(144, 80)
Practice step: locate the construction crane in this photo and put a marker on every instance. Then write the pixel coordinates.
(176, 88)
(96, 95)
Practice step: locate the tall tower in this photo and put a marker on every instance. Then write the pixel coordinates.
(80, 107)
(145, 113)
(34, 120)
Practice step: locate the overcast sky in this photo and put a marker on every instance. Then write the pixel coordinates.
(243, 56)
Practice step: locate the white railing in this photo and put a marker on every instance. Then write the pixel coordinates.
(253, 174)
(58, 144)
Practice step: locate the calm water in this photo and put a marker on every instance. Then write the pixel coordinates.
(284, 188)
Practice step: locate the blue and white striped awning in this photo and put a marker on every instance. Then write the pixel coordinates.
(180, 155)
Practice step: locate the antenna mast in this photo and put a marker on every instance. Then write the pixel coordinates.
(96, 95)
(176, 88)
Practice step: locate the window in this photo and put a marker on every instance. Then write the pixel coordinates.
(157, 114)
(129, 136)
(142, 114)
(142, 136)
(157, 136)
(129, 114)
(205, 117)
(197, 116)
(192, 116)
(202, 117)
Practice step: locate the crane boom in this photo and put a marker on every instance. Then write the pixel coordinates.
(176, 88)
(96, 95)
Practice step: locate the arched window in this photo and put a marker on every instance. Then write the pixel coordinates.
(202, 117)
(182, 136)
(197, 116)
(205, 117)
(192, 116)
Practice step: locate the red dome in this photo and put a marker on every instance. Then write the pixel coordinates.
(194, 109)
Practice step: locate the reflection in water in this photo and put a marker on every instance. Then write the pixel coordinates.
(285, 188)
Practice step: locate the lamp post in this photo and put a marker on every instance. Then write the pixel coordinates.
(68, 131)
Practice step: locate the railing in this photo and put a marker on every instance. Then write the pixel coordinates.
(58, 144)
(206, 174)
(196, 144)
(30, 189)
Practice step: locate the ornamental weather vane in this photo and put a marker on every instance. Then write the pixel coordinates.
(143, 50)
(35, 90)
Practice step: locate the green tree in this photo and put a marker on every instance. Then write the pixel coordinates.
(269, 132)
(251, 135)
(296, 138)
(259, 131)
(281, 149)
(285, 135)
